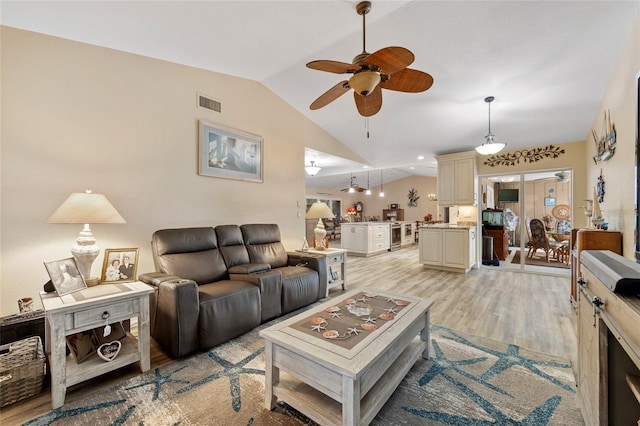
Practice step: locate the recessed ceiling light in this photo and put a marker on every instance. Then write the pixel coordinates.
(412, 168)
(420, 157)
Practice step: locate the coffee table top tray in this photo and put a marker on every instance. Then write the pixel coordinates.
(410, 314)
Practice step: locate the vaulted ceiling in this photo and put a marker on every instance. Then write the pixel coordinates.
(546, 62)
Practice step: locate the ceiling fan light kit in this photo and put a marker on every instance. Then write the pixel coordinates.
(489, 146)
(383, 69)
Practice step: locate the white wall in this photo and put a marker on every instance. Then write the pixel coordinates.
(618, 172)
(76, 116)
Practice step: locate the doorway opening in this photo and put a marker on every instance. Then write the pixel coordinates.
(509, 204)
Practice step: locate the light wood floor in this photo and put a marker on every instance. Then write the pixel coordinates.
(528, 310)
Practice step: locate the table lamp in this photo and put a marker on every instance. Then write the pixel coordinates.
(319, 211)
(86, 208)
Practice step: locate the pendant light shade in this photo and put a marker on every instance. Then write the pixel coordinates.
(381, 185)
(368, 191)
(489, 146)
(312, 170)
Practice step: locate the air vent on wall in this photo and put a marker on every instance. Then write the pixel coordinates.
(208, 103)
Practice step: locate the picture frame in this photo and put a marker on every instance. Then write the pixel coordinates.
(83, 344)
(549, 201)
(229, 154)
(120, 265)
(65, 275)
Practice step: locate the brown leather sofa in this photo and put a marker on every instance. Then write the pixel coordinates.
(214, 284)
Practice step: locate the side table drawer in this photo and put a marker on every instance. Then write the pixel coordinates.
(94, 315)
(335, 258)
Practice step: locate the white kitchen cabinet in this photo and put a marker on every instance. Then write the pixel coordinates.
(448, 248)
(457, 179)
(408, 233)
(366, 238)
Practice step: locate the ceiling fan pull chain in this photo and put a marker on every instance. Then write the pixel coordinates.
(366, 125)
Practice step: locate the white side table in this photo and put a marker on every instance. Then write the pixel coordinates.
(336, 266)
(87, 309)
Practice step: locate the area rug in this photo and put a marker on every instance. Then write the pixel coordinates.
(536, 261)
(469, 380)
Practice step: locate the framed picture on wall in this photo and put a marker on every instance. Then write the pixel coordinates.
(549, 201)
(229, 154)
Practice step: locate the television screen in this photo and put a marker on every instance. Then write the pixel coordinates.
(508, 196)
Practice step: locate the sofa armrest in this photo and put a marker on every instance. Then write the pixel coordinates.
(175, 312)
(316, 262)
(155, 278)
(249, 268)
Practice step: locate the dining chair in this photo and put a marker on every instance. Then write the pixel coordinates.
(540, 241)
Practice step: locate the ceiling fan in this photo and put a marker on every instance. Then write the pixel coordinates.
(383, 69)
(353, 187)
(562, 177)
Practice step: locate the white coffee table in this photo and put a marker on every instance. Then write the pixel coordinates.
(337, 385)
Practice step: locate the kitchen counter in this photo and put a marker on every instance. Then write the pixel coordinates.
(366, 238)
(450, 225)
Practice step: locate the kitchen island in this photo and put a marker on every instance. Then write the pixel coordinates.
(448, 247)
(366, 238)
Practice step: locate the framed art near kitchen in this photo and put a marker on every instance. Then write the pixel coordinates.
(549, 201)
(119, 265)
(229, 154)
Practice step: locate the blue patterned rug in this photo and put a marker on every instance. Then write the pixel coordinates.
(468, 381)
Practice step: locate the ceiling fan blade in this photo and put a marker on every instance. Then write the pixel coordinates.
(333, 66)
(371, 104)
(331, 95)
(408, 80)
(390, 59)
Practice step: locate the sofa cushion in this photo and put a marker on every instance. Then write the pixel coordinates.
(264, 245)
(231, 245)
(190, 253)
(299, 287)
(227, 310)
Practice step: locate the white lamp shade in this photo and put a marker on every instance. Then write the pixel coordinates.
(83, 207)
(364, 82)
(319, 210)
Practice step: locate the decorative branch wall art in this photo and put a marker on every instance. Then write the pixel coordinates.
(526, 155)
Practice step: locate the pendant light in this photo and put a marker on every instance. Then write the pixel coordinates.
(381, 185)
(312, 170)
(490, 147)
(368, 191)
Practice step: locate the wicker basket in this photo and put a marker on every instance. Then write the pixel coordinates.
(22, 370)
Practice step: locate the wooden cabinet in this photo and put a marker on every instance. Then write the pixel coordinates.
(449, 249)
(393, 215)
(589, 239)
(500, 242)
(457, 179)
(608, 367)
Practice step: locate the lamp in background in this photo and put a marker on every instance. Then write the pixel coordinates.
(86, 208)
(312, 170)
(432, 197)
(319, 211)
(490, 147)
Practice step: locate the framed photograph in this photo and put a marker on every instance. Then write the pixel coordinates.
(119, 265)
(549, 201)
(229, 154)
(65, 276)
(83, 344)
